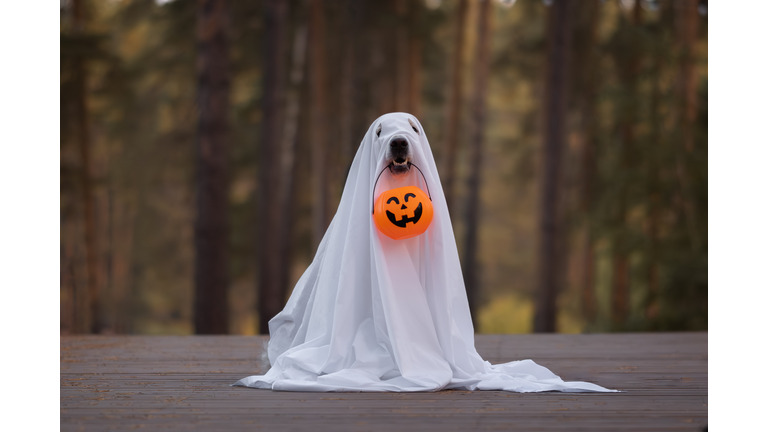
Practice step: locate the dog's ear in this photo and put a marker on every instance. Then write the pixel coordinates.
(378, 130)
(413, 125)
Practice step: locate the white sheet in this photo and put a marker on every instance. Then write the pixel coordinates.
(376, 314)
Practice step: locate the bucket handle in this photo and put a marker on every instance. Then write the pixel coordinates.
(373, 201)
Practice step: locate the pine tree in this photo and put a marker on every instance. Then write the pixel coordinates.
(211, 224)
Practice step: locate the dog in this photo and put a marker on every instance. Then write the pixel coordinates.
(375, 313)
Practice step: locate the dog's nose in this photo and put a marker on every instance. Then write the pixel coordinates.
(398, 142)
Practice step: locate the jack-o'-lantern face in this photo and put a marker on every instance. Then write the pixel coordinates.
(403, 212)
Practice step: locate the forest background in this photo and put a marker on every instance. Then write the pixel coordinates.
(204, 146)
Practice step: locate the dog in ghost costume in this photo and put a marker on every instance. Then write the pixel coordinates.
(375, 314)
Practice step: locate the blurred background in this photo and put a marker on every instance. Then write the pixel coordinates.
(205, 144)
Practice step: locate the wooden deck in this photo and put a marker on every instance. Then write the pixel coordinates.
(182, 382)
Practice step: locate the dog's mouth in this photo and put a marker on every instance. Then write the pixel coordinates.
(399, 155)
(400, 165)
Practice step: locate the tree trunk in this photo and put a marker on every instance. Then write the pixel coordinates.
(289, 173)
(350, 82)
(452, 120)
(652, 186)
(620, 286)
(588, 164)
(290, 144)
(109, 252)
(414, 62)
(402, 55)
(211, 227)
(383, 49)
(471, 280)
(68, 293)
(92, 315)
(270, 217)
(620, 293)
(319, 122)
(687, 21)
(121, 268)
(554, 137)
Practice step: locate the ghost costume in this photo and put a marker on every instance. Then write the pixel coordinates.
(376, 314)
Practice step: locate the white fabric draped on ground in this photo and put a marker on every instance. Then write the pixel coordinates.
(376, 314)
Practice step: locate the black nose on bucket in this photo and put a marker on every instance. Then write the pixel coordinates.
(398, 142)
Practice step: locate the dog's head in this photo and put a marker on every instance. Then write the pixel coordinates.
(399, 133)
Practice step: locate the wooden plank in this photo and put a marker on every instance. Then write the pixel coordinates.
(183, 382)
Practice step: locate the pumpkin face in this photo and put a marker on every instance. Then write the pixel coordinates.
(403, 212)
